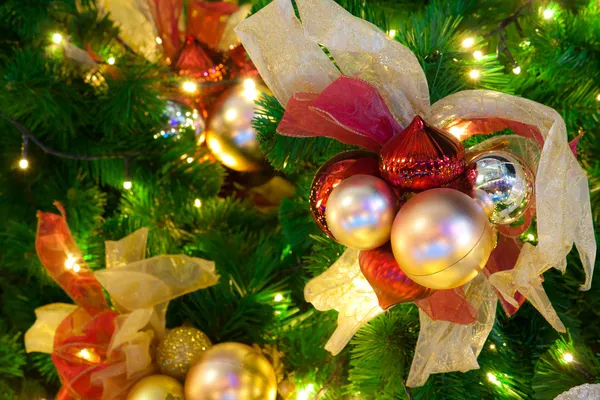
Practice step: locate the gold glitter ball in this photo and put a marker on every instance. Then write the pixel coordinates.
(180, 349)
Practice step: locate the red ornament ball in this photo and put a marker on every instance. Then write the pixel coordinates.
(332, 173)
(389, 282)
(421, 157)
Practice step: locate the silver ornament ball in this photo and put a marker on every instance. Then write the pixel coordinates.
(360, 212)
(508, 181)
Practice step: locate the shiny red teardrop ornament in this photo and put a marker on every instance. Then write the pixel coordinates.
(390, 283)
(421, 157)
(334, 171)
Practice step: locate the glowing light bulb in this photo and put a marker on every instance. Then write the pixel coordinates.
(468, 42)
(492, 378)
(302, 395)
(517, 70)
(278, 297)
(127, 185)
(111, 61)
(392, 33)
(530, 236)
(57, 38)
(493, 346)
(70, 262)
(197, 203)
(158, 40)
(85, 354)
(249, 84)
(568, 357)
(190, 86)
(230, 114)
(474, 74)
(598, 97)
(457, 131)
(23, 163)
(190, 160)
(548, 13)
(478, 55)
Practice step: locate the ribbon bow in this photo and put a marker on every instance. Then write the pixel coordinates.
(373, 91)
(100, 353)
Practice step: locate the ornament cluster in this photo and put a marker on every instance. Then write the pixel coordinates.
(223, 371)
(423, 212)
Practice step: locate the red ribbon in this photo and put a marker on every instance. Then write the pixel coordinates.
(82, 339)
(348, 110)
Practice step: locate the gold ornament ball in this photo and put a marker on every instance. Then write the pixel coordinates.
(180, 349)
(360, 212)
(441, 238)
(156, 387)
(230, 136)
(231, 371)
(484, 200)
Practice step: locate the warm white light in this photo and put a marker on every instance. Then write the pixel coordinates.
(457, 131)
(57, 38)
(249, 84)
(568, 357)
(478, 55)
(598, 97)
(85, 354)
(530, 236)
(302, 395)
(76, 268)
(474, 74)
(392, 33)
(70, 262)
(517, 70)
(111, 61)
(127, 185)
(23, 163)
(468, 42)
(492, 378)
(197, 203)
(190, 86)
(310, 387)
(548, 13)
(230, 114)
(278, 297)
(190, 160)
(493, 346)
(158, 40)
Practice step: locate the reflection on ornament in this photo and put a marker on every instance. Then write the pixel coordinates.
(231, 371)
(442, 238)
(484, 200)
(156, 387)
(230, 135)
(332, 173)
(180, 349)
(421, 157)
(360, 212)
(508, 180)
(180, 117)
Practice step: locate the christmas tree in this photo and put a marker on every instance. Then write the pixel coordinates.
(133, 119)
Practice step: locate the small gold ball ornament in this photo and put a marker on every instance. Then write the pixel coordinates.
(156, 387)
(231, 371)
(441, 238)
(180, 349)
(230, 136)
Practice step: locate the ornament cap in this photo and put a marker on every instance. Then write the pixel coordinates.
(421, 157)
